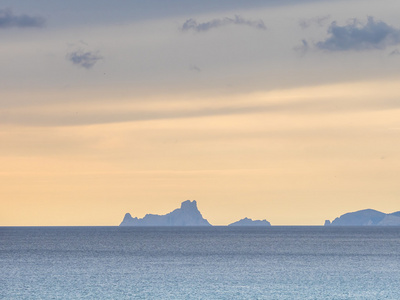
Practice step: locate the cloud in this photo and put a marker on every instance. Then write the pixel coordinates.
(61, 116)
(358, 36)
(194, 68)
(8, 19)
(320, 21)
(395, 52)
(191, 24)
(84, 59)
(303, 48)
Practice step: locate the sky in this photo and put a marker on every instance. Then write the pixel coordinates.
(279, 110)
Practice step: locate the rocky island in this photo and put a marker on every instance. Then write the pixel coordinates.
(250, 222)
(366, 217)
(187, 215)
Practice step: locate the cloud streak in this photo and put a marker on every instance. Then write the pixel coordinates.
(360, 37)
(65, 117)
(319, 21)
(193, 25)
(84, 59)
(8, 20)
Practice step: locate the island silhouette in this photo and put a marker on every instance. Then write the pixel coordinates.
(366, 217)
(250, 222)
(187, 215)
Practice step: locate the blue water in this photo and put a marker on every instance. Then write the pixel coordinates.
(200, 263)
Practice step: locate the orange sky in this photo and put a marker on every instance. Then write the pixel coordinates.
(258, 110)
(295, 165)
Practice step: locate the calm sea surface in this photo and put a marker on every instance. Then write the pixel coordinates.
(199, 263)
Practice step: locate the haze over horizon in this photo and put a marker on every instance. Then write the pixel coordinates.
(279, 110)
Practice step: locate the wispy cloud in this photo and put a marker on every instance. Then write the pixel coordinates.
(302, 48)
(319, 21)
(395, 52)
(8, 20)
(84, 59)
(192, 24)
(358, 36)
(194, 68)
(96, 113)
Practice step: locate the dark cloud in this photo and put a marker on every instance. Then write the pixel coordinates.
(358, 36)
(191, 24)
(84, 59)
(319, 21)
(8, 19)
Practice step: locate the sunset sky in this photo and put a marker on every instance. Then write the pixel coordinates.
(281, 110)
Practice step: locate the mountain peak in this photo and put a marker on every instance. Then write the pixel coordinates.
(189, 204)
(128, 216)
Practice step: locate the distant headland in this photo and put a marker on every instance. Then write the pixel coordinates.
(366, 217)
(187, 215)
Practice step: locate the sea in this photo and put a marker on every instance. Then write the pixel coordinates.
(200, 262)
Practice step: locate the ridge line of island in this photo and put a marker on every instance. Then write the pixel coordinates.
(189, 215)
